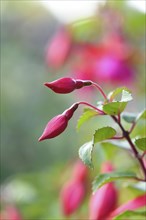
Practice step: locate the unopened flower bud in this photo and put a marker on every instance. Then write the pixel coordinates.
(104, 201)
(69, 112)
(71, 196)
(58, 124)
(59, 49)
(107, 167)
(80, 171)
(66, 85)
(130, 205)
(10, 213)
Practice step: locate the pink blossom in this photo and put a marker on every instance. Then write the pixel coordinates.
(104, 63)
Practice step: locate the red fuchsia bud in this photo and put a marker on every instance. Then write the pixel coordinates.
(58, 124)
(59, 49)
(72, 196)
(107, 167)
(66, 85)
(104, 200)
(80, 171)
(10, 213)
(130, 205)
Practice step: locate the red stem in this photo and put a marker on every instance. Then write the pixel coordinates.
(132, 127)
(117, 138)
(100, 90)
(136, 153)
(92, 106)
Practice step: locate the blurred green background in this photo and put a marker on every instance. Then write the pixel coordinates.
(31, 171)
(26, 104)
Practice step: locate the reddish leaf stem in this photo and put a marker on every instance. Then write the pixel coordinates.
(132, 127)
(100, 90)
(117, 138)
(92, 106)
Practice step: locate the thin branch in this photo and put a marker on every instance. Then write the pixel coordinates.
(117, 138)
(100, 90)
(132, 127)
(144, 153)
(135, 152)
(92, 106)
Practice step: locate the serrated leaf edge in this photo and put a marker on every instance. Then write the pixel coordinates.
(90, 166)
(114, 177)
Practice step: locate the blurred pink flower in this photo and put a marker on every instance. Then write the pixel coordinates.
(130, 205)
(58, 49)
(71, 196)
(58, 124)
(110, 61)
(80, 171)
(104, 201)
(10, 213)
(73, 192)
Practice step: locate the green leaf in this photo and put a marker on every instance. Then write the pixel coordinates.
(87, 114)
(114, 108)
(100, 105)
(85, 152)
(126, 94)
(86, 27)
(141, 143)
(131, 215)
(103, 134)
(118, 143)
(141, 115)
(139, 186)
(104, 178)
(117, 106)
(129, 117)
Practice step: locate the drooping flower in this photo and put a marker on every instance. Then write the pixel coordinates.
(58, 124)
(58, 49)
(104, 201)
(66, 85)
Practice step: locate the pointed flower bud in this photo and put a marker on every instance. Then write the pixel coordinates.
(58, 124)
(104, 200)
(130, 205)
(80, 171)
(71, 196)
(10, 213)
(59, 49)
(66, 85)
